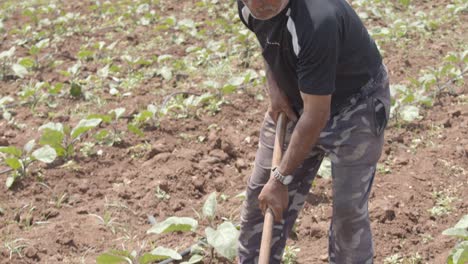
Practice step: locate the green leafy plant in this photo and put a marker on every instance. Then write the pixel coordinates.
(113, 135)
(63, 139)
(459, 254)
(222, 238)
(19, 160)
(134, 257)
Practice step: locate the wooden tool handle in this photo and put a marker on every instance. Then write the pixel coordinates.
(268, 223)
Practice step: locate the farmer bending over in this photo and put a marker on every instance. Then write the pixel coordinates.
(326, 73)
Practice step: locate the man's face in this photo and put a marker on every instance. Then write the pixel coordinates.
(265, 9)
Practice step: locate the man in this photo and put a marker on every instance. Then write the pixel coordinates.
(325, 72)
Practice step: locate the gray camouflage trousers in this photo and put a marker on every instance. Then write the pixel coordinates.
(353, 139)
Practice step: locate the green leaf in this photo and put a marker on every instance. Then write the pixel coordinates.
(118, 112)
(224, 239)
(54, 139)
(325, 169)
(209, 208)
(19, 70)
(12, 150)
(409, 113)
(29, 146)
(101, 135)
(113, 258)
(459, 230)
(158, 254)
(166, 73)
(7, 54)
(52, 126)
(194, 259)
(105, 118)
(459, 254)
(149, 258)
(46, 154)
(84, 126)
(27, 62)
(135, 130)
(10, 181)
(228, 89)
(13, 163)
(174, 224)
(75, 90)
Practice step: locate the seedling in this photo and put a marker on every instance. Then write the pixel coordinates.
(459, 254)
(63, 139)
(19, 160)
(222, 238)
(15, 246)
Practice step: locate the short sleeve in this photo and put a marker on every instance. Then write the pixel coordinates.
(318, 58)
(244, 14)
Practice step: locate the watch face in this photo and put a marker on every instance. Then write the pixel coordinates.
(287, 180)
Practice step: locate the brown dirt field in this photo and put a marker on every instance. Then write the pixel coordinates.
(54, 211)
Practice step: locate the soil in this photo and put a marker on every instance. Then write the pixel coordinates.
(55, 212)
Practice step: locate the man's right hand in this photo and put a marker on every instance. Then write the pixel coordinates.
(279, 102)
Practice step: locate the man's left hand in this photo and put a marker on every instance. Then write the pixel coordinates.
(274, 195)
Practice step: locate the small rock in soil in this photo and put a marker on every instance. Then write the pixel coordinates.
(31, 252)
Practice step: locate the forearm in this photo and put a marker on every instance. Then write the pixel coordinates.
(304, 137)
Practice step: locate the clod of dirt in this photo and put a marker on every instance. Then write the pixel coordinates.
(32, 253)
(162, 157)
(199, 184)
(163, 185)
(208, 161)
(187, 154)
(316, 231)
(4, 142)
(401, 161)
(447, 123)
(220, 154)
(10, 134)
(157, 149)
(66, 239)
(227, 147)
(83, 187)
(179, 205)
(241, 164)
(456, 113)
(219, 183)
(382, 211)
(51, 213)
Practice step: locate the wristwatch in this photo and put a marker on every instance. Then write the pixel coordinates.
(285, 180)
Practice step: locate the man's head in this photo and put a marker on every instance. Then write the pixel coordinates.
(265, 9)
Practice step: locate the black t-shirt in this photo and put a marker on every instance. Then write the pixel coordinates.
(318, 47)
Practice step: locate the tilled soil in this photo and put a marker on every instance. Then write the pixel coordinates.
(71, 212)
